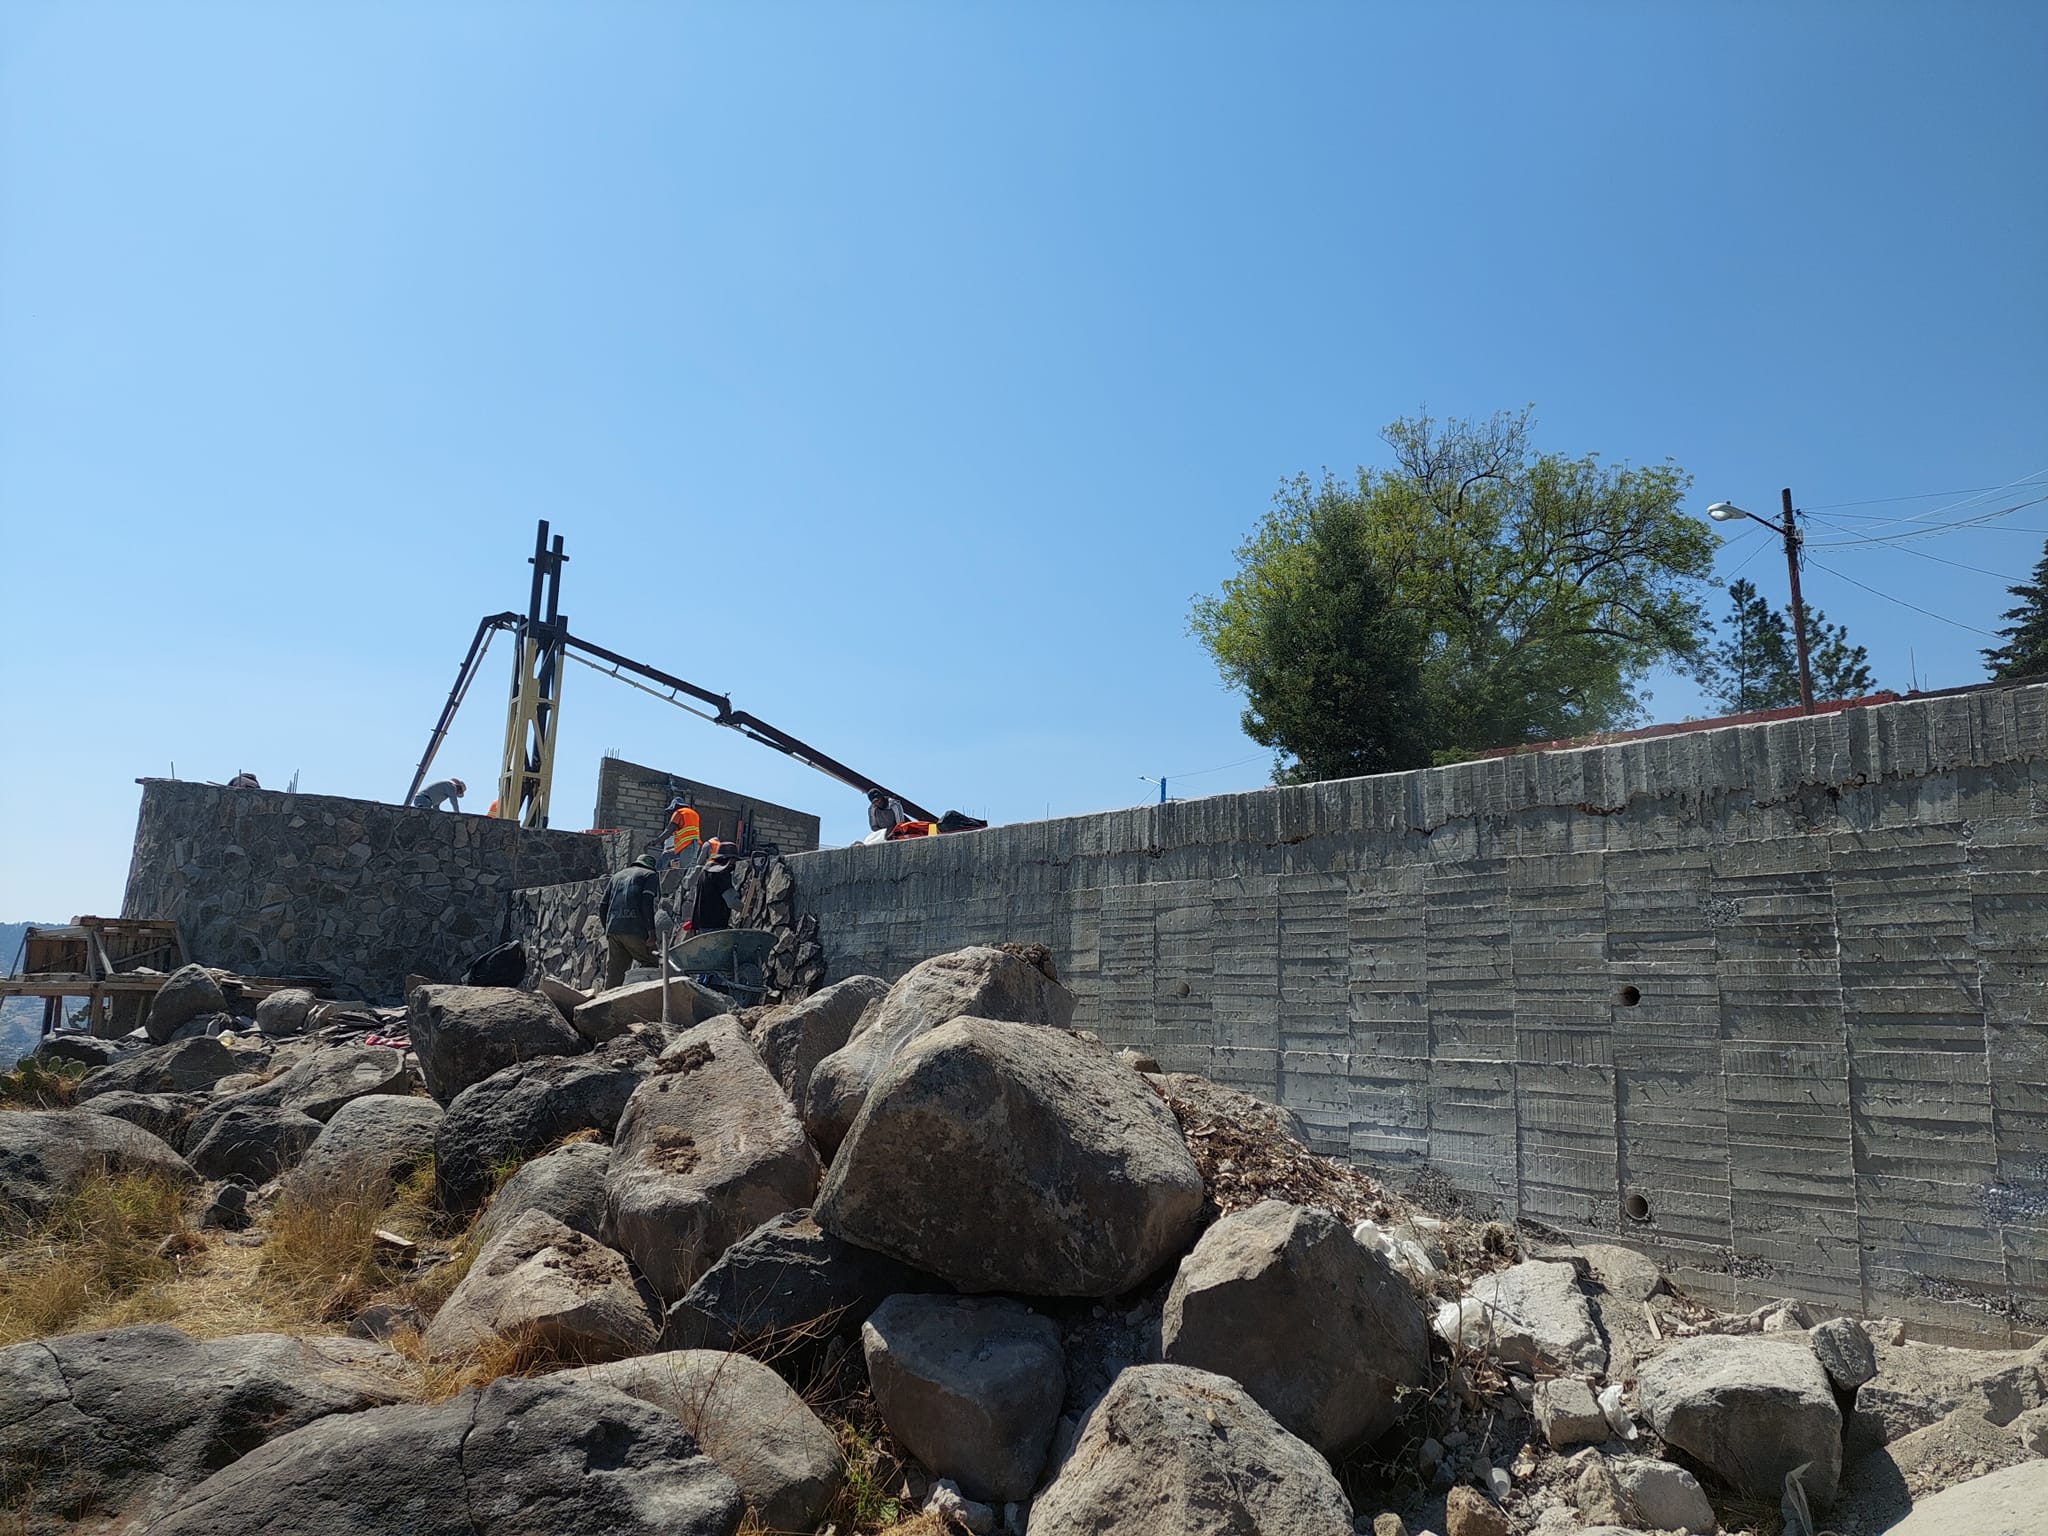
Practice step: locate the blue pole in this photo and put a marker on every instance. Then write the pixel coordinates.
(1162, 791)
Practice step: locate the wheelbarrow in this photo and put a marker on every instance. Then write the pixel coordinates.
(728, 960)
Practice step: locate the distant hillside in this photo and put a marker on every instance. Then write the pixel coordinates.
(21, 1018)
(10, 941)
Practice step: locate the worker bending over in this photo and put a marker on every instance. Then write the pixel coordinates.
(451, 790)
(884, 810)
(627, 909)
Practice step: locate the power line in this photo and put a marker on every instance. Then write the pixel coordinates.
(1933, 512)
(1877, 501)
(1979, 521)
(1930, 613)
(1205, 772)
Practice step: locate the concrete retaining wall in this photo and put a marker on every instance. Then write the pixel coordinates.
(1782, 987)
(634, 798)
(352, 891)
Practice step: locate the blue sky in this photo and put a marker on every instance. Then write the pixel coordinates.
(903, 370)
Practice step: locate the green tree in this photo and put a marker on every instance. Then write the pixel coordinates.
(2025, 651)
(1755, 665)
(1536, 591)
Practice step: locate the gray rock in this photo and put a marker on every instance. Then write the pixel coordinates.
(254, 1142)
(707, 1150)
(1623, 1272)
(558, 1289)
(610, 1014)
(562, 995)
(188, 993)
(82, 1049)
(980, 1128)
(784, 1290)
(762, 1435)
(983, 982)
(521, 1457)
(382, 1133)
(1237, 1308)
(795, 1037)
(184, 1066)
(1569, 1414)
(1662, 1495)
(95, 1426)
(228, 1210)
(1845, 1353)
(1749, 1407)
(46, 1155)
(1171, 1451)
(317, 1084)
(2031, 1430)
(2009, 1502)
(527, 1108)
(567, 1183)
(284, 1011)
(464, 1034)
(1534, 1315)
(166, 1115)
(970, 1386)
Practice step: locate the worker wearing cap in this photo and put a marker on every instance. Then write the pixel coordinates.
(627, 911)
(451, 790)
(884, 810)
(709, 910)
(685, 832)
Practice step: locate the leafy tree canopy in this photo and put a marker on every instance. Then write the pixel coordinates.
(1526, 594)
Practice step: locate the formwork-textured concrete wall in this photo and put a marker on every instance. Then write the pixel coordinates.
(634, 798)
(351, 891)
(1786, 983)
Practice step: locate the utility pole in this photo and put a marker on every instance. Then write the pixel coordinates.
(1791, 532)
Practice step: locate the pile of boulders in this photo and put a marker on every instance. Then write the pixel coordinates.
(1073, 1294)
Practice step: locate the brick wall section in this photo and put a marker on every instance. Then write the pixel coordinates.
(354, 892)
(634, 798)
(1785, 982)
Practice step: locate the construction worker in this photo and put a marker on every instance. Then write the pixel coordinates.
(685, 832)
(627, 909)
(709, 911)
(451, 790)
(884, 811)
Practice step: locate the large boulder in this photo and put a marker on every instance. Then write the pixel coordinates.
(762, 1435)
(984, 982)
(525, 1109)
(249, 1142)
(1533, 1315)
(1749, 1407)
(188, 993)
(284, 1011)
(567, 1184)
(1171, 1451)
(95, 1426)
(184, 1066)
(707, 1150)
(784, 1290)
(165, 1115)
(46, 1155)
(795, 1037)
(382, 1134)
(464, 1034)
(554, 1455)
(556, 1290)
(2009, 1502)
(969, 1385)
(610, 1014)
(1008, 1157)
(1257, 1279)
(316, 1084)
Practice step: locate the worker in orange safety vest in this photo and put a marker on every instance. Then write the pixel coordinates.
(685, 832)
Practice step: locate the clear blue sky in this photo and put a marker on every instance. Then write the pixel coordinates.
(903, 369)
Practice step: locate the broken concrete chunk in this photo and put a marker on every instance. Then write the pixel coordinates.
(1751, 1408)
(1532, 1315)
(1568, 1413)
(610, 1014)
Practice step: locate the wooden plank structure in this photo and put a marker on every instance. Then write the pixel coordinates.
(116, 964)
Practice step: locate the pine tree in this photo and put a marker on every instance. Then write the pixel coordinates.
(1754, 668)
(1840, 670)
(2025, 652)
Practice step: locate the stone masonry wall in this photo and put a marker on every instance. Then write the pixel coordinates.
(563, 935)
(351, 891)
(634, 799)
(1780, 990)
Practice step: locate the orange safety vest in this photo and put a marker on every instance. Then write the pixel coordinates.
(683, 835)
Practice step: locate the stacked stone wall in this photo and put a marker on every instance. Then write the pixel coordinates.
(634, 798)
(1770, 999)
(353, 893)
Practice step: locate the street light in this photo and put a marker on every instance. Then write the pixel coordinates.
(1728, 512)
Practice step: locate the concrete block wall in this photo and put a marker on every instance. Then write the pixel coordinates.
(1778, 990)
(354, 893)
(634, 798)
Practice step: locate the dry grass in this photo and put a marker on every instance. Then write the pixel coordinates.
(436, 1381)
(321, 1257)
(41, 1085)
(117, 1236)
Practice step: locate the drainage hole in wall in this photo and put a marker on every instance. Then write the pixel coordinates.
(1628, 997)
(1637, 1207)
